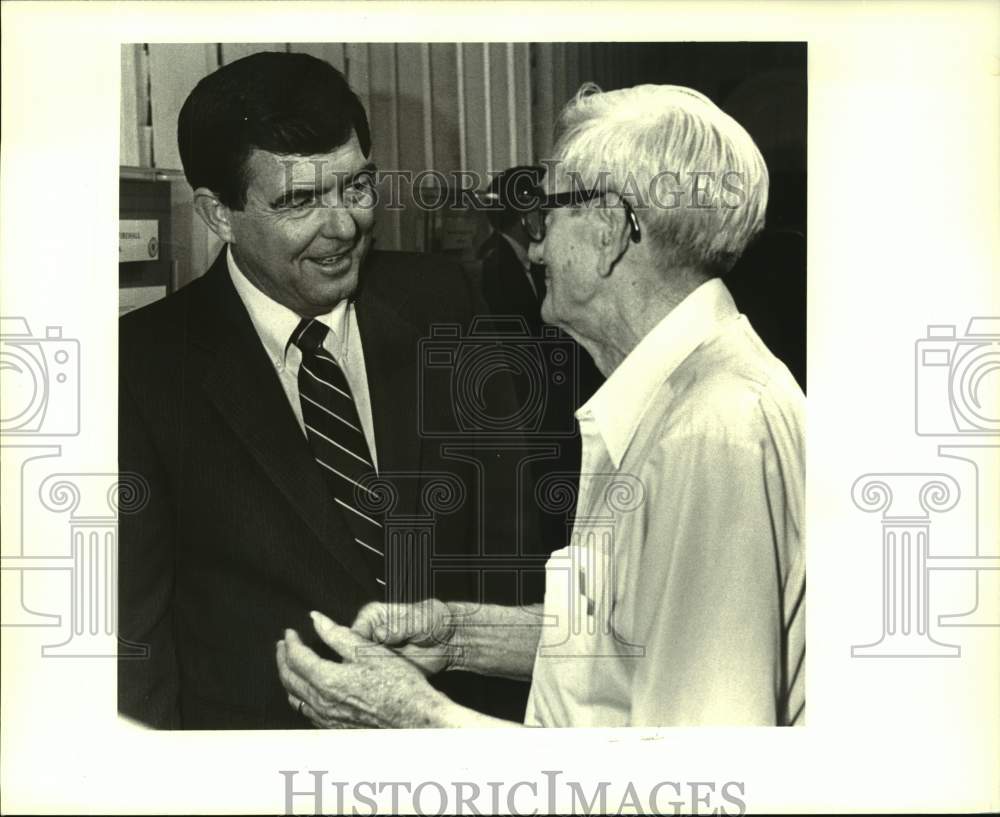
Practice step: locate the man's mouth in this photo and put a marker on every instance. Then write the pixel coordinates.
(332, 262)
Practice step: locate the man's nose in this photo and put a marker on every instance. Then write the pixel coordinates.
(535, 254)
(338, 221)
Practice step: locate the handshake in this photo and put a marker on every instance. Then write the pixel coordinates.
(368, 689)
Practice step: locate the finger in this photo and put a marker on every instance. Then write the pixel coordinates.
(343, 640)
(371, 621)
(404, 621)
(334, 717)
(304, 709)
(419, 623)
(299, 688)
(296, 703)
(293, 683)
(303, 673)
(282, 661)
(281, 657)
(390, 624)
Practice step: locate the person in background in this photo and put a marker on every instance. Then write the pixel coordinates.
(512, 285)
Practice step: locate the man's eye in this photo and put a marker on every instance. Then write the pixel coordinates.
(363, 184)
(361, 190)
(296, 200)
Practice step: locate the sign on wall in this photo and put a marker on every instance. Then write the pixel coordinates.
(138, 240)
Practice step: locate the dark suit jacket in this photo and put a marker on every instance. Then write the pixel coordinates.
(506, 288)
(239, 538)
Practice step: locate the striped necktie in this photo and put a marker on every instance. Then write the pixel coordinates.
(337, 440)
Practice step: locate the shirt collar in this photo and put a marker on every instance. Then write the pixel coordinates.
(275, 322)
(618, 406)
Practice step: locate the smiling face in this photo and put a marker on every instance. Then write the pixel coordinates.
(306, 226)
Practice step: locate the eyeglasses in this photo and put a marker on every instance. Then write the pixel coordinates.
(533, 220)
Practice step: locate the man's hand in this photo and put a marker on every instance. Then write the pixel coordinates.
(372, 688)
(425, 633)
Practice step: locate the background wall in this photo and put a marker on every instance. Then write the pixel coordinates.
(444, 106)
(484, 107)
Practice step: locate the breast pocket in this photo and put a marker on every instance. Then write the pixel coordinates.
(581, 600)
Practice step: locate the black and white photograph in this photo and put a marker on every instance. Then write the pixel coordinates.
(475, 368)
(428, 416)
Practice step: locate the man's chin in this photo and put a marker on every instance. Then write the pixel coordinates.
(324, 298)
(545, 311)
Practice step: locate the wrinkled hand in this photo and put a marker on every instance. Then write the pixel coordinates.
(425, 633)
(372, 688)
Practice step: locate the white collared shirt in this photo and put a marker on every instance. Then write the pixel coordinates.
(275, 324)
(679, 599)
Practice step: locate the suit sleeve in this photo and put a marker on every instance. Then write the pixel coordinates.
(147, 665)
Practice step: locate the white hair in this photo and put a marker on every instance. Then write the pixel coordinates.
(655, 145)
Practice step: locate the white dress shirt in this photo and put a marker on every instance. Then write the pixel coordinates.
(680, 598)
(276, 323)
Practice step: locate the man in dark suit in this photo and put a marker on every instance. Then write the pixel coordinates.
(512, 285)
(274, 407)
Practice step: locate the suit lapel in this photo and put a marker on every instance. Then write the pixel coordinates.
(522, 292)
(390, 343)
(242, 384)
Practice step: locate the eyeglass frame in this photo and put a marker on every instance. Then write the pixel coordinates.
(542, 203)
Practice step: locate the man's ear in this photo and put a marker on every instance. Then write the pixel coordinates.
(214, 213)
(613, 236)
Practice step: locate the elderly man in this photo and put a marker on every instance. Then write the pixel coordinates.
(692, 612)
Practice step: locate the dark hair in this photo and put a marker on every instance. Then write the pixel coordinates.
(274, 101)
(511, 191)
